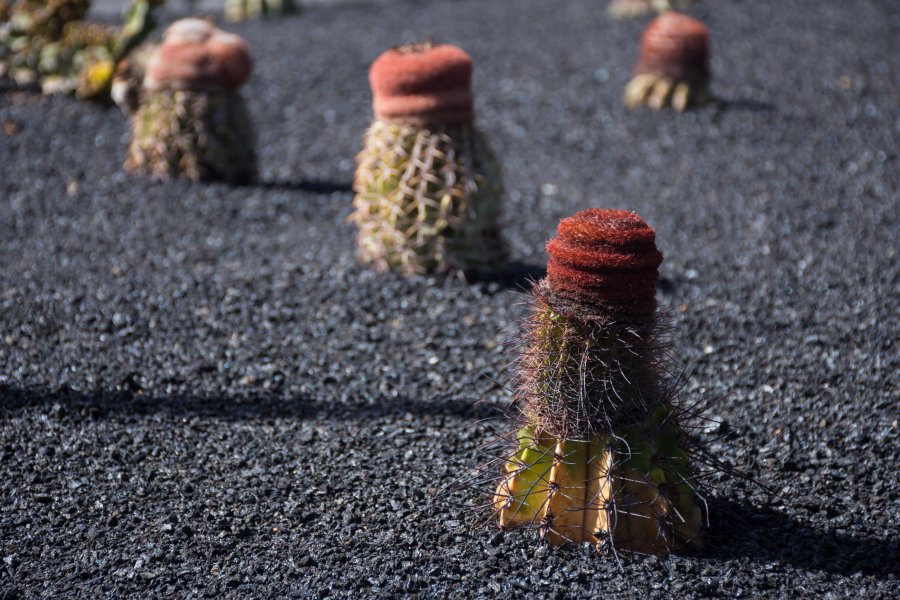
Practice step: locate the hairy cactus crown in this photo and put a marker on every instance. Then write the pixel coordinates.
(195, 55)
(423, 84)
(605, 259)
(675, 45)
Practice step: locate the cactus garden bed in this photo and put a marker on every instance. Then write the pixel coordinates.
(204, 394)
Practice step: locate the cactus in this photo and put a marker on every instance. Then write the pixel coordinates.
(428, 188)
(602, 453)
(673, 68)
(627, 9)
(48, 43)
(241, 10)
(192, 122)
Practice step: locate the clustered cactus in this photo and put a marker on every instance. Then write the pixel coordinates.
(192, 121)
(601, 455)
(48, 42)
(428, 188)
(241, 10)
(673, 68)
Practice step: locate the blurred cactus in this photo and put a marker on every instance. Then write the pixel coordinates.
(49, 44)
(241, 10)
(192, 135)
(191, 122)
(428, 189)
(602, 454)
(673, 68)
(627, 9)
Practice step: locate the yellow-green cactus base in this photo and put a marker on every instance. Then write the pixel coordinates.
(627, 9)
(241, 10)
(627, 492)
(657, 92)
(427, 200)
(192, 135)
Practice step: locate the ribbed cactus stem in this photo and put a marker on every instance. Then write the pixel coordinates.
(601, 456)
(428, 188)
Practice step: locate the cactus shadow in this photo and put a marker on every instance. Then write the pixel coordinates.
(99, 404)
(511, 276)
(765, 535)
(743, 104)
(305, 185)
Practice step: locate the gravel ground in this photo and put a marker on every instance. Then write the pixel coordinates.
(202, 395)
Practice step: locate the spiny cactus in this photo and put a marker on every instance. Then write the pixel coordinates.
(241, 10)
(428, 188)
(192, 122)
(673, 68)
(49, 43)
(601, 455)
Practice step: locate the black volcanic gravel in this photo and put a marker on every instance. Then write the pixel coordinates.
(202, 395)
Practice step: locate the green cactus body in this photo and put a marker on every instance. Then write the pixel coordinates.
(241, 10)
(526, 493)
(138, 22)
(427, 199)
(193, 135)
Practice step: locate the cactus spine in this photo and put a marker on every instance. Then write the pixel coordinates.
(601, 456)
(428, 188)
(673, 68)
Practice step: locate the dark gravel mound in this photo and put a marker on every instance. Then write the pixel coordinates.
(202, 395)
